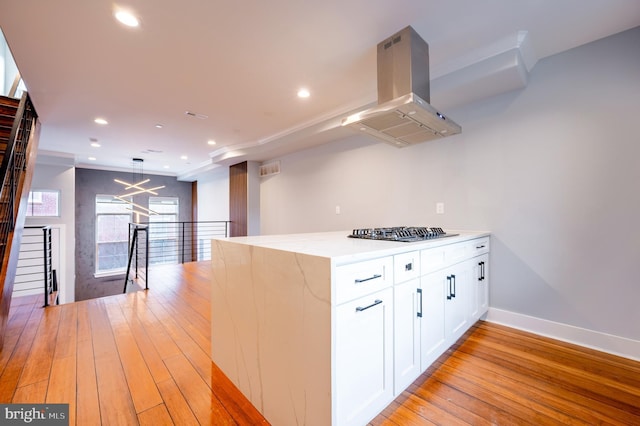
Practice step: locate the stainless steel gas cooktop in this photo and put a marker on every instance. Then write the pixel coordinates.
(404, 234)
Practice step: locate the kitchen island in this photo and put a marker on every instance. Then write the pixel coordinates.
(321, 329)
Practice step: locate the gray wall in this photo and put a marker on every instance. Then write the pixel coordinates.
(90, 183)
(551, 170)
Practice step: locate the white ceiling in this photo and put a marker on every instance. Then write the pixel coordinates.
(241, 63)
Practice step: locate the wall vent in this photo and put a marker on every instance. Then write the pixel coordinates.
(269, 169)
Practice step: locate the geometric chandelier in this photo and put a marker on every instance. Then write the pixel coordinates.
(137, 189)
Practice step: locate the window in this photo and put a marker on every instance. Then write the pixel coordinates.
(112, 234)
(44, 203)
(163, 230)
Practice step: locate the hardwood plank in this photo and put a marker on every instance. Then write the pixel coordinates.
(205, 406)
(232, 399)
(88, 405)
(140, 382)
(151, 357)
(21, 310)
(116, 404)
(66, 339)
(584, 363)
(83, 323)
(62, 384)
(154, 325)
(568, 379)
(38, 364)
(155, 416)
(13, 370)
(183, 339)
(177, 406)
(508, 376)
(31, 394)
(550, 393)
(437, 394)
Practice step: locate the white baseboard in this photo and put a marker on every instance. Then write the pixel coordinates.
(615, 345)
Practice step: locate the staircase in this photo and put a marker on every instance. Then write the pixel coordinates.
(19, 133)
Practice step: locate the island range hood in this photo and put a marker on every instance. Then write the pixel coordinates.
(403, 115)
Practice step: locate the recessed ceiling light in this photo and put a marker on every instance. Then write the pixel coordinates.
(184, 157)
(100, 121)
(303, 93)
(166, 167)
(126, 18)
(159, 126)
(92, 158)
(211, 142)
(95, 144)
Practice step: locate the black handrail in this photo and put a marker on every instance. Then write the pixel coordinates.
(171, 243)
(135, 246)
(13, 165)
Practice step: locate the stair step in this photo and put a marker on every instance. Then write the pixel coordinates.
(8, 106)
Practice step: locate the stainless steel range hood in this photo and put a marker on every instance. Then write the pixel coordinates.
(403, 115)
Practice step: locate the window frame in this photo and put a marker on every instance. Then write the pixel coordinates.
(30, 203)
(114, 201)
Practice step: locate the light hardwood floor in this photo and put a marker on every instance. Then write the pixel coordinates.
(143, 358)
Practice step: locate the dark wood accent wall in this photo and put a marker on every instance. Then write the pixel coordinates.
(194, 220)
(238, 199)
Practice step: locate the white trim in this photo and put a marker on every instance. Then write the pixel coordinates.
(111, 273)
(609, 343)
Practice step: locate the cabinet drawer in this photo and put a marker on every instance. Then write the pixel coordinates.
(479, 246)
(457, 252)
(359, 279)
(433, 259)
(406, 266)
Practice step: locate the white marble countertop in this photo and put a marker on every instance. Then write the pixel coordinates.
(341, 249)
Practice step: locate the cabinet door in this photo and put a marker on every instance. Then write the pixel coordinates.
(480, 286)
(432, 341)
(457, 299)
(364, 357)
(406, 333)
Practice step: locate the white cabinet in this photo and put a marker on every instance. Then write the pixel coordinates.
(434, 310)
(406, 321)
(406, 333)
(364, 357)
(432, 338)
(457, 301)
(329, 333)
(480, 286)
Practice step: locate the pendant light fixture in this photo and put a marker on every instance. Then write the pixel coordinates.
(135, 188)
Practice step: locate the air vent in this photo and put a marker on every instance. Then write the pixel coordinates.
(269, 169)
(196, 115)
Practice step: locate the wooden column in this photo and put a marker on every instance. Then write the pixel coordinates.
(238, 199)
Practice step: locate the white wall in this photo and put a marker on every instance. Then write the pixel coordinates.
(61, 178)
(551, 170)
(213, 195)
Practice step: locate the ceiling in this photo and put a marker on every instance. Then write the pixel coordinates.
(240, 64)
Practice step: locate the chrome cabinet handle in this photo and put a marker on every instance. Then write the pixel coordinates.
(360, 308)
(420, 293)
(449, 289)
(479, 247)
(361, 280)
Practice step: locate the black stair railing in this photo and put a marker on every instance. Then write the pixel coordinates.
(13, 168)
(155, 243)
(35, 264)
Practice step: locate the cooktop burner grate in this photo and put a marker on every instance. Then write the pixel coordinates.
(405, 234)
